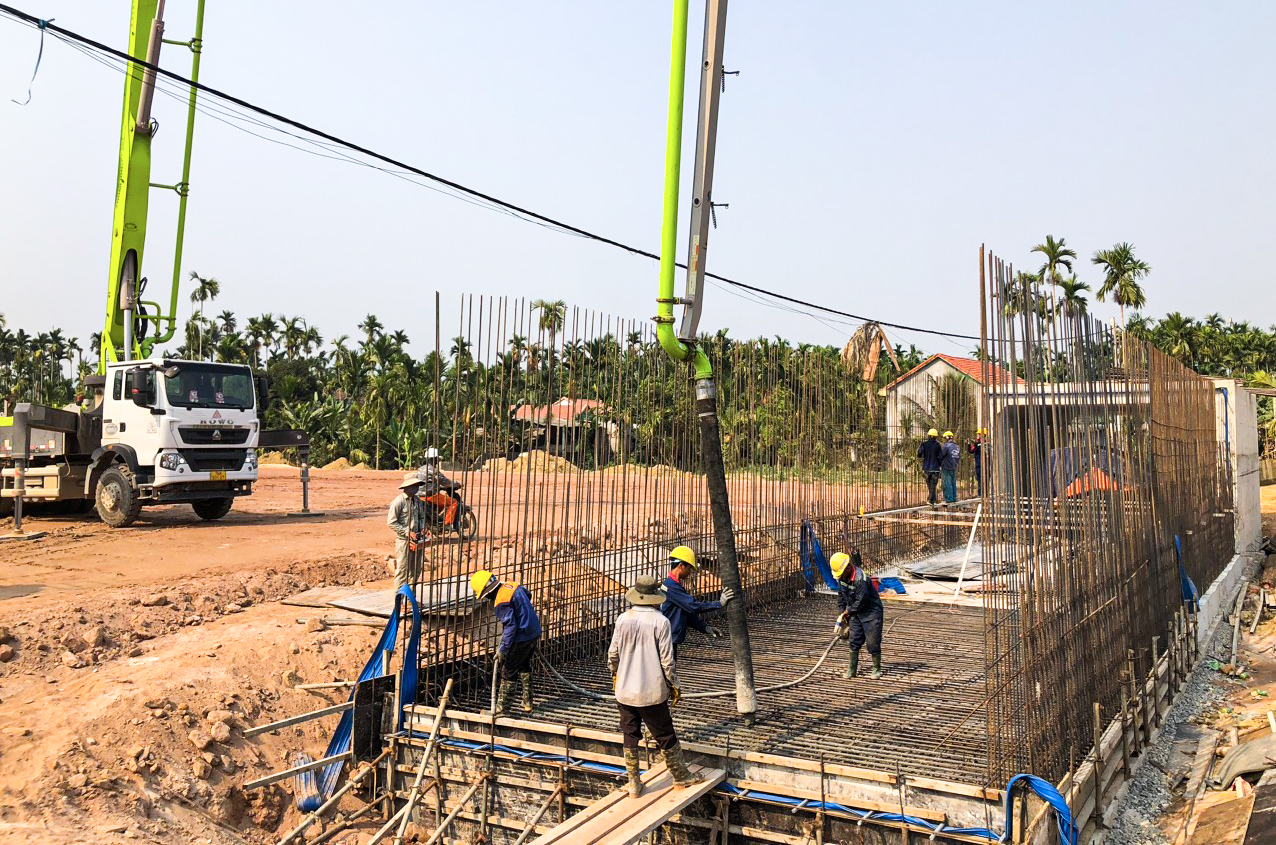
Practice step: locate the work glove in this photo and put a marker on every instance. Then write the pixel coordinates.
(728, 596)
(614, 683)
(675, 695)
(713, 632)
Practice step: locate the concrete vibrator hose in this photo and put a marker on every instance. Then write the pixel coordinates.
(598, 696)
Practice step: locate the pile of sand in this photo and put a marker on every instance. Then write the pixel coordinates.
(339, 463)
(535, 461)
(273, 459)
(361, 465)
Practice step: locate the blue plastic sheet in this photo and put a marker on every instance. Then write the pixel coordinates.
(813, 560)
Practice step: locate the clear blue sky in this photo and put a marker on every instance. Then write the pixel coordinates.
(866, 150)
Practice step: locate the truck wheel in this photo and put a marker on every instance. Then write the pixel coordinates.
(212, 508)
(117, 500)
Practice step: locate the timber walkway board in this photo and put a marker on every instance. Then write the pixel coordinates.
(617, 819)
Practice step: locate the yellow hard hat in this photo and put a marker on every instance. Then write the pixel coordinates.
(838, 563)
(932, 433)
(684, 554)
(948, 434)
(479, 581)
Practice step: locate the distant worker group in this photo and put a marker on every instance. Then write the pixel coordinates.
(940, 460)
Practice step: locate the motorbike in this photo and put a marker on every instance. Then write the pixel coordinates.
(446, 510)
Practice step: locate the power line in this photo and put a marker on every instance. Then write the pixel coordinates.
(503, 205)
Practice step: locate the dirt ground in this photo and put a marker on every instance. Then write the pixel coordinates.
(131, 660)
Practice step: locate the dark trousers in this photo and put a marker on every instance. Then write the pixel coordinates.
(518, 659)
(656, 717)
(866, 628)
(979, 476)
(932, 481)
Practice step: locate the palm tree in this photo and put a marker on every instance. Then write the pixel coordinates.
(862, 354)
(206, 290)
(228, 321)
(1057, 254)
(371, 327)
(1121, 275)
(553, 314)
(1072, 301)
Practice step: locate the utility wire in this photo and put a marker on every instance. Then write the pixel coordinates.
(507, 207)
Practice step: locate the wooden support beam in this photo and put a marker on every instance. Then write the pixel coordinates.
(354, 781)
(443, 825)
(430, 745)
(296, 720)
(295, 770)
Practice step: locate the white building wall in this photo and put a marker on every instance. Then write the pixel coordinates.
(1236, 421)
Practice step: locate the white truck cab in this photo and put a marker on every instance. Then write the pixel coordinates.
(174, 431)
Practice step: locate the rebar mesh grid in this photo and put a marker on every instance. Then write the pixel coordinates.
(1103, 450)
(576, 442)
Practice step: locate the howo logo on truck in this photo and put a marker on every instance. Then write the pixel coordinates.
(217, 419)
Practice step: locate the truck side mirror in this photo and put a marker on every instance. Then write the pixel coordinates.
(263, 392)
(141, 386)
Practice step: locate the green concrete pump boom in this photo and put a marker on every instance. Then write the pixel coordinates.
(133, 326)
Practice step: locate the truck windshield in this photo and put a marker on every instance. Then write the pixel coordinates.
(209, 386)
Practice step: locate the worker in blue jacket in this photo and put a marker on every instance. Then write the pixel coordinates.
(861, 606)
(520, 634)
(681, 608)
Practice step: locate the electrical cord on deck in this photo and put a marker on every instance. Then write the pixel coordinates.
(597, 696)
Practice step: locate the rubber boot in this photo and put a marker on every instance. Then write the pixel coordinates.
(677, 765)
(635, 774)
(877, 667)
(526, 678)
(506, 697)
(853, 668)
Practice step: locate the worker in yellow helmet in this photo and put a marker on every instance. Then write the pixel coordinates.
(862, 611)
(949, 459)
(681, 608)
(520, 634)
(930, 452)
(976, 449)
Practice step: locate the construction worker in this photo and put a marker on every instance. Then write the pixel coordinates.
(861, 606)
(404, 519)
(976, 449)
(437, 489)
(681, 608)
(949, 459)
(641, 660)
(520, 634)
(931, 453)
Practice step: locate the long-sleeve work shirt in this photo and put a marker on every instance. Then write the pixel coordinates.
(855, 591)
(400, 516)
(683, 610)
(519, 622)
(641, 657)
(931, 452)
(951, 457)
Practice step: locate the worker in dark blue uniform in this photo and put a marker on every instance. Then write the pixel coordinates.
(861, 606)
(931, 454)
(520, 634)
(681, 608)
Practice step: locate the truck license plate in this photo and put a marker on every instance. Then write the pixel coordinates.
(218, 475)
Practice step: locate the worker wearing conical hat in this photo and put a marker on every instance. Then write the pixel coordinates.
(861, 606)
(405, 520)
(520, 634)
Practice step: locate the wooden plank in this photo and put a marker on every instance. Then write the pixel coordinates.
(320, 596)
(296, 720)
(1262, 822)
(1223, 824)
(1202, 762)
(378, 603)
(295, 770)
(797, 763)
(618, 819)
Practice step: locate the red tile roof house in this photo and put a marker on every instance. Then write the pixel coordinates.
(913, 389)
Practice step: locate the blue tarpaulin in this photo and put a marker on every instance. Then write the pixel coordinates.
(813, 559)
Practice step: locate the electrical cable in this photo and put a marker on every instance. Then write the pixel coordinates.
(507, 207)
